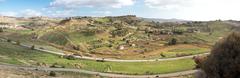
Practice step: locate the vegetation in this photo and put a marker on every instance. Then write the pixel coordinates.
(224, 59)
(83, 36)
(53, 74)
(173, 41)
(1, 30)
(14, 54)
(123, 37)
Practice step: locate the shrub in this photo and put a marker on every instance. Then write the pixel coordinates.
(199, 60)
(70, 57)
(1, 29)
(224, 60)
(173, 41)
(18, 43)
(32, 47)
(162, 55)
(9, 40)
(76, 47)
(53, 74)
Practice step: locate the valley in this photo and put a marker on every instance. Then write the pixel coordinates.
(123, 45)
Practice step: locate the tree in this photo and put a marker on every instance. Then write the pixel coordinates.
(111, 21)
(173, 41)
(32, 47)
(1, 29)
(9, 40)
(224, 60)
(53, 74)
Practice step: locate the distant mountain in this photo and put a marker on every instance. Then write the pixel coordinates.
(164, 20)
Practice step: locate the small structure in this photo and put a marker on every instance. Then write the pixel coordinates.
(133, 45)
(121, 47)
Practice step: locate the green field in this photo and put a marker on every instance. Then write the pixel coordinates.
(184, 52)
(15, 54)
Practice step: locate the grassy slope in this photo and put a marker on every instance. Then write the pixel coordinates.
(14, 54)
(77, 38)
(219, 29)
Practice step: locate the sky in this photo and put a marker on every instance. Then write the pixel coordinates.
(199, 10)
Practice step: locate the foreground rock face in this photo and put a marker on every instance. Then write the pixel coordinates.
(224, 61)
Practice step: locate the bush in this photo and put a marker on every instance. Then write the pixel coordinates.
(1, 29)
(173, 41)
(9, 40)
(224, 60)
(18, 43)
(53, 74)
(162, 55)
(199, 60)
(76, 47)
(70, 57)
(32, 47)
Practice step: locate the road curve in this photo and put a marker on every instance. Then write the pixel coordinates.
(116, 60)
(189, 72)
(108, 59)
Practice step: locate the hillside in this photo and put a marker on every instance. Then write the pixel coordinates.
(123, 37)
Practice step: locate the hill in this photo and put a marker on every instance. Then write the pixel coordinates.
(123, 37)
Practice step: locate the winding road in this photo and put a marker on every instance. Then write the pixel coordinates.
(99, 73)
(181, 73)
(113, 60)
(108, 59)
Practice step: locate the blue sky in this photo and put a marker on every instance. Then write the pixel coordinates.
(168, 9)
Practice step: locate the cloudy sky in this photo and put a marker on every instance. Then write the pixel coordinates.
(168, 9)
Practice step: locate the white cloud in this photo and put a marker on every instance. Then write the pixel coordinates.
(91, 3)
(60, 13)
(103, 12)
(198, 9)
(30, 13)
(167, 4)
(24, 13)
(8, 14)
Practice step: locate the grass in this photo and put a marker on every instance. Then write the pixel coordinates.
(21, 56)
(59, 38)
(184, 51)
(78, 37)
(76, 75)
(103, 20)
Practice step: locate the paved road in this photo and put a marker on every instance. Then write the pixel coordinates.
(98, 73)
(108, 59)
